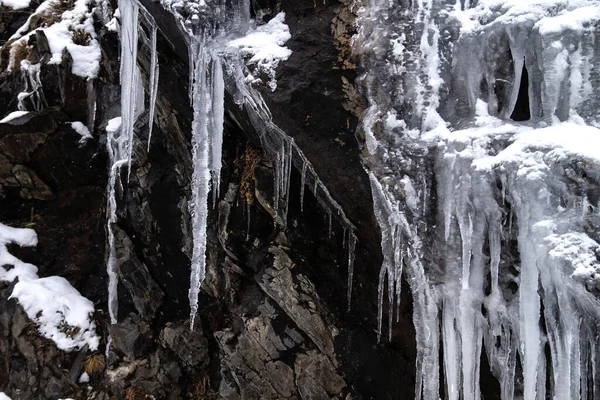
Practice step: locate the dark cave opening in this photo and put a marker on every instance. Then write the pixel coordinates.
(521, 111)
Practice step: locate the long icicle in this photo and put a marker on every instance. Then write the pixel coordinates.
(154, 69)
(201, 177)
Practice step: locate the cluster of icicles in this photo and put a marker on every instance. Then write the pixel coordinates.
(207, 91)
(484, 288)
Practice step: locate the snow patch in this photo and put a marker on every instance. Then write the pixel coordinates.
(265, 46)
(15, 5)
(59, 310)
(62, 313)
(78, 21)
(80, 128)
(13, 115)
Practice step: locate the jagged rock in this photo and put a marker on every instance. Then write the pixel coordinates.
(31, 184)
(133, 274)
(190, 346)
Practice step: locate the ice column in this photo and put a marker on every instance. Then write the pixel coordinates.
(207, 138)
(128, 71)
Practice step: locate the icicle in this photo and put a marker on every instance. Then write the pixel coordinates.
(351, 247)
(288, 174)
(218, 109)
(302, 184)
(128, 71)
(277, 185)
(398, 264)
(154, 70)
(380, 292)
(201, 176)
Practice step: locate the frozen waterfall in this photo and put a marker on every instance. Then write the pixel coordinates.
(490, 108)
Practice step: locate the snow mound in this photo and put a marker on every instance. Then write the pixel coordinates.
(265, 46)
(13, 115)
(80, 128)
(578, 251)
(62, 314)
(15, 5)
(74, 31)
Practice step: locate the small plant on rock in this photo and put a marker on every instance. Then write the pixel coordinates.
(81, 37)
(94, 365)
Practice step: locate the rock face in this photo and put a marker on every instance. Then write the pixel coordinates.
(273, 320)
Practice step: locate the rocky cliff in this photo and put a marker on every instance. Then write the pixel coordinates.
(273, 320)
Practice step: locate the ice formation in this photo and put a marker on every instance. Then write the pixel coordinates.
(59, 310)
(117, 146)
(120, 130)
(222, 36)
(492, 104)
(154, 69)
(207, 137)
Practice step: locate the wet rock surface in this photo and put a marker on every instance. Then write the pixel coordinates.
(273, 320)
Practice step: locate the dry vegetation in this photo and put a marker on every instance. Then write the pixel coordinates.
(94, 365)
(251, 158)
(20, 51)
(137, 393)
(51, 15)
(202, 390)
(81, 37)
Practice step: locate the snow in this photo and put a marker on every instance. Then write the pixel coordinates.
(265, 46)
(558, 142)
(59, 310)
(63, 315)
(86, 58)
(114, 125)
(80, 128)
(84, 378)
(13, 115)
(4, 396)
(15, 5)
(578, 251)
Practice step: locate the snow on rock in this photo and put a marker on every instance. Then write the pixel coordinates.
(13, 115)
(113, 125)
(74, 31)
(265, 46)
(578, 252)
(15, 5)
(22, 237)
(84, 378)
(62, 314)
(557, 142)
(4, 397)
(80, 128)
